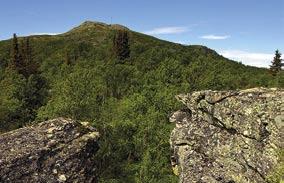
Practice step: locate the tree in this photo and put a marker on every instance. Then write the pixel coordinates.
(28, 50)
(30, 66)
(22, 59)
(67, 59)
(16, 57)
(121, 44)
(23, 88)
(11, 105)
(276, 63)
(77, 95)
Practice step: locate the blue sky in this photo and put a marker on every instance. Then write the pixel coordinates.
(245, 30)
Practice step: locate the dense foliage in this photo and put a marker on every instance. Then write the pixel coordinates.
(129, 102)
(23, 89)
(121, 44)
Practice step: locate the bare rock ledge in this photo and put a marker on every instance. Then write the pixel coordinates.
(58, 150)
(228, 136)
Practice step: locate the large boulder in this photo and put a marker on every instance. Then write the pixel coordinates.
(229, 136)
(58, 150)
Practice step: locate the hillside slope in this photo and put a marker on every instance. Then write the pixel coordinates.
(129, 101)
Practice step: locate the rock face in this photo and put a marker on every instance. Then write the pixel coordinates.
(228, 136)
(59, 150)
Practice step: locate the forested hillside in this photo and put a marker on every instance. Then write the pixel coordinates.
(123, 81)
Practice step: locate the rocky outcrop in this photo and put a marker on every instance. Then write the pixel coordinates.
(59, 150)
(228, 136)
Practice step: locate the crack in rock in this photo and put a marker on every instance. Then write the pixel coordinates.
(228, 136)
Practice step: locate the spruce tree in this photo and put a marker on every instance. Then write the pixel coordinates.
(16, 58)
(31, 67)
(276, 63)
(23, 54)
(28, 66)
(28, 50)
(121, 44)
(22, 50)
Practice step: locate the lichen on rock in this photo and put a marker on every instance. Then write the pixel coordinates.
(58, 150)
(229, 136)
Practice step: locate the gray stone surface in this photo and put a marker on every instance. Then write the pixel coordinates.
(228, 136)
(58, 150)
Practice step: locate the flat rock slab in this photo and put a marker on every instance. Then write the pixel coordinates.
(228, 136)
(58, 150)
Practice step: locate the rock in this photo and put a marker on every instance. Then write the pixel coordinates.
(62, 178)
(58, 150)
(228, 136)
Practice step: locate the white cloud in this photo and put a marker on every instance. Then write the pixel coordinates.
(215, 37)
(167, 30)
(249, 58)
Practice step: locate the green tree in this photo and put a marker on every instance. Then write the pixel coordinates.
(78, 95)
(22, 58)
(276, 63)
(34, 95)
(11, 105)
(121, 44)
(30, 66)
(16, 61)
(23, 88)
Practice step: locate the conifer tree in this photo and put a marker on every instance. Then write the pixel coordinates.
(27, 52)
(21, 57)
(67, 59)
(22, 50)
(31, 67)
(16, 58)
(276, 63)
(28, 49)
(121, 44)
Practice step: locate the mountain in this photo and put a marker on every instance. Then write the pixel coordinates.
(128, 100)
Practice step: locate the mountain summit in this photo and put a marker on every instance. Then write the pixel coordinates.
(89, 25)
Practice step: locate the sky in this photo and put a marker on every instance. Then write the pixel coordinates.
(244, 30)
